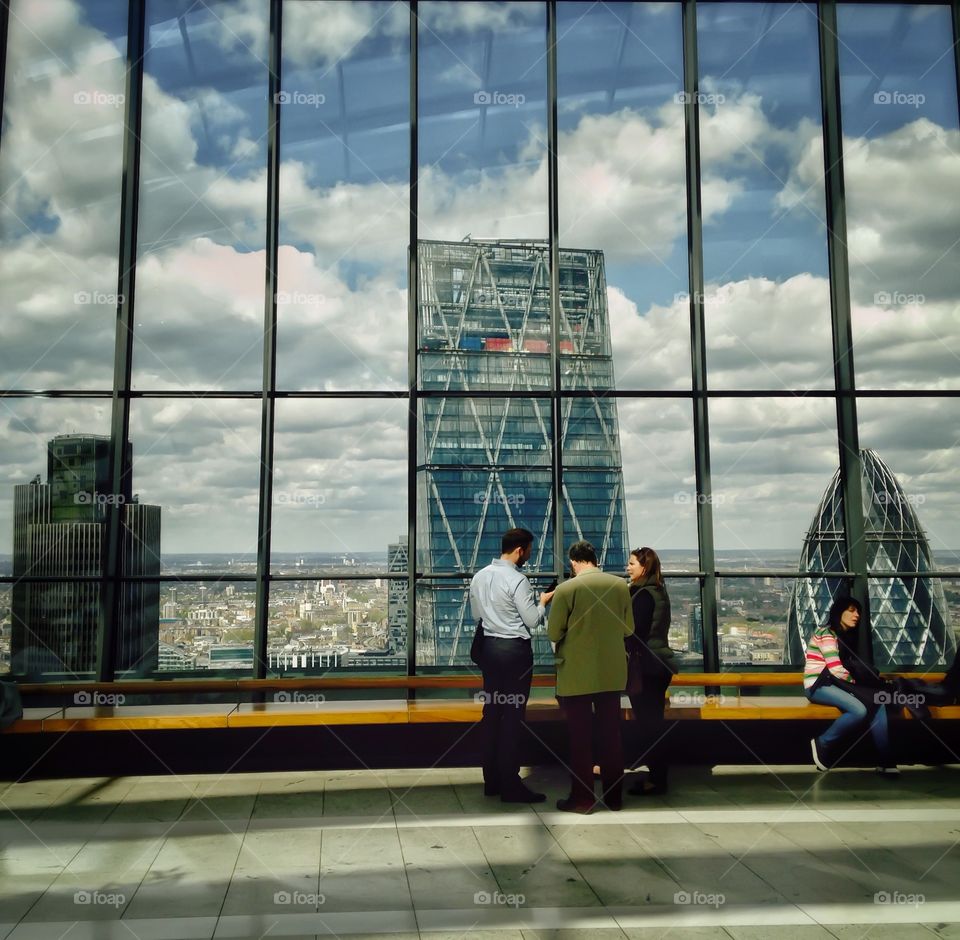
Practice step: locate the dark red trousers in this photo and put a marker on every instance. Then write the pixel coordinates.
(594, 719)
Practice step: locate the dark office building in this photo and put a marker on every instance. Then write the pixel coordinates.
(908, 616)
(484, 464)
(58, 531)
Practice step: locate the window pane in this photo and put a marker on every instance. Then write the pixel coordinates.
(622, 140)
(901, 164)
(767, 302)
(482, 216)
(322, 625)
(199, 462)
(686, 615)
(482, 112)
(911, 519)
(5, 624)
(344, 180)
(753, 616)
(340, 481)
(656, 437)
(445, 628)
(206, 626)
(53, 515)
(774, 462)
(200, 272)
(60, 168)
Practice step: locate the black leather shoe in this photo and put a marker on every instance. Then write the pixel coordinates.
(645, 788)
(491, 789)
(569, 805)
(522, 795)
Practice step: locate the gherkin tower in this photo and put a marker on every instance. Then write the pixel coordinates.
(908, 616)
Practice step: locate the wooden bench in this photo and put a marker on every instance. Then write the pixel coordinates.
(307, 706)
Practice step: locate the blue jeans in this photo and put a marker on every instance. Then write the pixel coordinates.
(855, 716)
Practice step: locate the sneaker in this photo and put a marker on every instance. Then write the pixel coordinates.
(819, 758)
(891, 773)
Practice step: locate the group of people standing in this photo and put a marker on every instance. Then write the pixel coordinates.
(608, 637)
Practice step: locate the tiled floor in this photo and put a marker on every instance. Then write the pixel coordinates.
(737, 852)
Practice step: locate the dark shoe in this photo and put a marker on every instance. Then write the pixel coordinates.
(614, 804)
(491, 789)
(819, 755)
(522, 795)
(646, 788)
(569, 805)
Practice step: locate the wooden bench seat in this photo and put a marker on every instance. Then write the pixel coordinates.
(392, 712)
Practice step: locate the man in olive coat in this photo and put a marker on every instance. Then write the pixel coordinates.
(589, 618)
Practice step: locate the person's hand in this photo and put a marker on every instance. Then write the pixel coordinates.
(546, 597)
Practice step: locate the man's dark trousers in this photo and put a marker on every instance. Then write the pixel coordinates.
(586, 714)
(507, 673)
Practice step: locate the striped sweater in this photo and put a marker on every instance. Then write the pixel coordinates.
(823, 650)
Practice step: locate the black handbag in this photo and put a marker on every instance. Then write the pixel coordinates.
(476, 647)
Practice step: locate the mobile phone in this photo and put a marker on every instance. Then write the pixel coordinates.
(552, 587)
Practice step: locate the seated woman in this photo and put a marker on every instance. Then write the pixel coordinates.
(834, 675)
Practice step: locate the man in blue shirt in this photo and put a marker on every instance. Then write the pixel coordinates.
(503, 598)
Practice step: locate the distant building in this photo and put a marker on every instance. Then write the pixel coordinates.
(58, 531)
(397, 600)
(485, 462)
(908, 616)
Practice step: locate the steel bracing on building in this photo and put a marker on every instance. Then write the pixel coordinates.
(484, 464)
(909, 621)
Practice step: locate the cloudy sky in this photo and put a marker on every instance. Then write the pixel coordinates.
(341, 465)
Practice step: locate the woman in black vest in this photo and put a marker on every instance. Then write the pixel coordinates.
(651, 665)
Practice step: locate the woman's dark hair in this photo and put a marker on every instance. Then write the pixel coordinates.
(840, 604)
(650, 561)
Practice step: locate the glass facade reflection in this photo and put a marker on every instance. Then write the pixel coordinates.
(909, 621)
(338, 294)
(485, 462)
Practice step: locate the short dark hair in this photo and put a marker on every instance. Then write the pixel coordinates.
(583, 551)
(515, 538)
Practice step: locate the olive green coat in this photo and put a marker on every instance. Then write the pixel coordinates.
(589, 617)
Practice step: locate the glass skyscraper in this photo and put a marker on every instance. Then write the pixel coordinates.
(58, 532)
(909, 621)
(484, 463)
